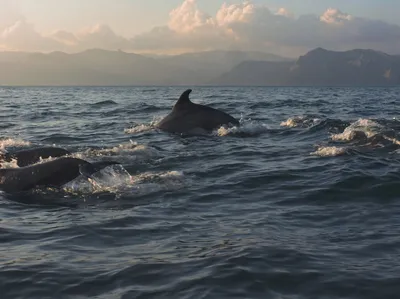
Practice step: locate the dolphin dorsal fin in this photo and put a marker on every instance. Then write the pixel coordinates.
(183, 100)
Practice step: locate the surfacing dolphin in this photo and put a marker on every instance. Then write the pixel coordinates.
(188, 117)
(31, 156)
(54, 173)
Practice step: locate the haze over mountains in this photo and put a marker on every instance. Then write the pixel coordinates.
(319, 67)
(100, 67)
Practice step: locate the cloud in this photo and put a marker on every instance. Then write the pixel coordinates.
(22, 35)
(256, 27)
(101, 36)
(9, 14)
(284, 12)
(235, 13)
(187, 18)
(66, 38)
(244, 26)
(335, 16)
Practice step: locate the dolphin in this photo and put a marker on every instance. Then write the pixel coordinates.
(32, 156)
(187, 117)
(54, 173)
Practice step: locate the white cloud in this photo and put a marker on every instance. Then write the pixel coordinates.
(187, 18)
(234, 26)
(22, 35)
(256, 27)
(65, 38)
(284, 12)
(101, 36)
(335, 16)
(235, 13)
(9, 14)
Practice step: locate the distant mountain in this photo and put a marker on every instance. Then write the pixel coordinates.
(255, 73)
(91, 67)
(319, 67)
(211, 64)
(99, 67)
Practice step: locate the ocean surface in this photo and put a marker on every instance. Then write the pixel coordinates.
(301, 201)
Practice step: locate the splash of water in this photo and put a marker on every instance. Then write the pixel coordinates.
(247, 127)
(300, 121)
(329, 151)
(131, 149)
(11, 142)
(368, 127)
(116, 180)
(141, 128)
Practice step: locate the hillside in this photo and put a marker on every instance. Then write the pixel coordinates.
(91, 67)
(211, 64)
(319, 67)
(100, 67)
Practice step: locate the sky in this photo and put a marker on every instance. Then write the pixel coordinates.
(289, 27)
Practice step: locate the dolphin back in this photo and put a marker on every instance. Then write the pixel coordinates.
(32, 156)
(210, 118)
(187, 116)
(53, 173)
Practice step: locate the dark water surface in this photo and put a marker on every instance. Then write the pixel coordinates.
(302, 201)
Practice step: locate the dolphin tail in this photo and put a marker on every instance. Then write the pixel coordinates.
(91, 168)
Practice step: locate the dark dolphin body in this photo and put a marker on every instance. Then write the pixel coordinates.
(187, 117)
(32, 156)
(53, 173)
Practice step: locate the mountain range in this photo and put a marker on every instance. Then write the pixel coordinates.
(319, 67)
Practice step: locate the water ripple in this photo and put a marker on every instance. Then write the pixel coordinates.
(301, 201)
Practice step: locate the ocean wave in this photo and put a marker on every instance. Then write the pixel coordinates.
(141, 128)
(300, 122)
(329, 151)
(362, 128)
(104, 103)
(12, 142)
(117, 180)
(130, 148)
(246, 128)
(216, 216)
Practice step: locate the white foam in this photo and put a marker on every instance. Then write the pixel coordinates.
(169, 176)
(246, 127)
(117, 180)
(140, 128)
(131, 149)
(11, 164)
(368, 127)
(347, 135)
(300, 121)
(394, 140)
(329, 151)
(9, 142)
(291, 122)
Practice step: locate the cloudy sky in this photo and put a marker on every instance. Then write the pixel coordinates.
(286, 27)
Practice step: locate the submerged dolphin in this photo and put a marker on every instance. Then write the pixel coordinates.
(53, 173)
(32, 156)
(188, 117)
